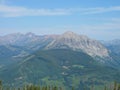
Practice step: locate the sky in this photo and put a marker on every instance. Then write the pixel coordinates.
(98, 19)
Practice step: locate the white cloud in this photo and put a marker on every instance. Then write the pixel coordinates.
(97, 10)
(94, 10)
(10, 11)
(106, 26)
(15, 11)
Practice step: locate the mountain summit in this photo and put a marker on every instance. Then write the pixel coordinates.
(69, 34)
(70, 40)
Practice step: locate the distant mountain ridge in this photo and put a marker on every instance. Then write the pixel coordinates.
(113, 46)
(114, 49)
(68, 40)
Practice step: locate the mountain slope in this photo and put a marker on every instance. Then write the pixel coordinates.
(60, 67)
(114, 48)
(9, 53)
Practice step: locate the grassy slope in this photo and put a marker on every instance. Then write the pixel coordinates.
(60, 67)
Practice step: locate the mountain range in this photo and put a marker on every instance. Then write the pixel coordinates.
(67, 60)
(68, 40)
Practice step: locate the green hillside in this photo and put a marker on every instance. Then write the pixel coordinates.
(65, 68)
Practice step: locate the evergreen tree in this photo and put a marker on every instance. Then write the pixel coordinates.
(118, 87)
(19, 89)
(73, 88)
(55, 88)
(105, 88)
(92, 87)
(115, 86)
(8, 88)
(43, 88)
(60, 88)
(38, 87)
(0, 85)
(48, 87)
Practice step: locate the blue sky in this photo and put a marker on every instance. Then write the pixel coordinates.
(98, 19)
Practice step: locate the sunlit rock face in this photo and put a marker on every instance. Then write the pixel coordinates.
(70, 40)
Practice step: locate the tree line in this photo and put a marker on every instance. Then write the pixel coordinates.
(31, 87)
(115, 86)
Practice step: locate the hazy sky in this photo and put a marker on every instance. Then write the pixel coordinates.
(99, 19)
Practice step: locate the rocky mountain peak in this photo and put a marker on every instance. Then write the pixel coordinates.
(69, 35)
(70, 40)
(30, 34)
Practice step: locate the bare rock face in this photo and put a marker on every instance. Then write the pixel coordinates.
(79, 42)
(68, 40)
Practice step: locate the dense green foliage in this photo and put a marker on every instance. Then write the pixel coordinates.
(114, 86)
